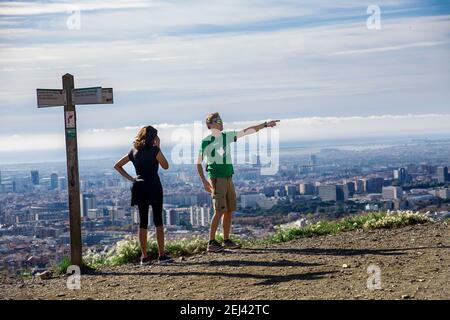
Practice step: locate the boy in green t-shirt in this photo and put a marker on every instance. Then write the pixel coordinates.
(217, 151)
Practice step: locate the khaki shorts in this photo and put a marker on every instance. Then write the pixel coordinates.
(224, 195)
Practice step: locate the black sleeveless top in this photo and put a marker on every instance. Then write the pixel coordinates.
(146, 165)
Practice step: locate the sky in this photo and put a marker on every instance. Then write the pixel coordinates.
(313, 64)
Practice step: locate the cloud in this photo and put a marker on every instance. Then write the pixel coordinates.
(38, 8)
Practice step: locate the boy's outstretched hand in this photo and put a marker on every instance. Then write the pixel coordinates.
(272, 123)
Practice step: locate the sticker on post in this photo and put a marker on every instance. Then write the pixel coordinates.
(70, 119)
(71, 133)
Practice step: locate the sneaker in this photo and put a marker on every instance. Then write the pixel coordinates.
(214, 246)
(145, 261)
(230, 244)
(165, 259)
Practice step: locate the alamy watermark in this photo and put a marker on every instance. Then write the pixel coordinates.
(73, 21)
(74, 278)
(259, 149)
(374, 280)
(373, 22)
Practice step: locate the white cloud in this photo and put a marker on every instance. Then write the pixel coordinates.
(37, 8)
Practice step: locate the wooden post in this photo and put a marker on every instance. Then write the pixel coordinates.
(72, 172)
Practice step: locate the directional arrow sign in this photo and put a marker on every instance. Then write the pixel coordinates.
(87, 95)
(50, 97)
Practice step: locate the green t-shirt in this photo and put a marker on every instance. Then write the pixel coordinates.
(217, 152)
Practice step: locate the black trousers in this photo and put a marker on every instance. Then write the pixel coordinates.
(157, 209)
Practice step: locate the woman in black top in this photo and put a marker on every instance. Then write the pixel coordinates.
(146, 191)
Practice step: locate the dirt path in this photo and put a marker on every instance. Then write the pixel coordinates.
(414, 263)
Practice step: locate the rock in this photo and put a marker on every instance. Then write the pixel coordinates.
(405, 296)
(344, 266)
(182, 259)
(61, 295)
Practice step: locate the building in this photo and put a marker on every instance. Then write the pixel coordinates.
(35, 177)
(195, 216)
(290, 190)
(360, 186)
(327, 192)
(392, 193)
(88, 202)
(374, 185)
(401, 175)
(53, 181)
(442, 174)
(342, 192)
(172, 217)
(249, 200)
(351, 187)
(21, 185)
(200, 216)
(205, 216)
(443, 194)
(307, 189)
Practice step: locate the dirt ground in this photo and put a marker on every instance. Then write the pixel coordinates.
(414, 263)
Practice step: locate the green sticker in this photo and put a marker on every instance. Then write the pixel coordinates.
(71, 133)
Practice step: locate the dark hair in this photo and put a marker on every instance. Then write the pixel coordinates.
(211, 117)
(145, 137)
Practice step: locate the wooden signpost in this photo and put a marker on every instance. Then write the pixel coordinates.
(69, 97)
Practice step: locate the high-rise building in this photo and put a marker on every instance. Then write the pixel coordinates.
(205, 216)
(249, 200)
(54, 181)
(401, 175)
(195, 216)
(374, 185)
(442, 174)
(351, 188)
(327, 192)
(392, 192)
(307, 188)
(20, 184)
(172, 217)
(35, 177)
(342, 192)
(290, 190)
(88, 202)
(360, 185)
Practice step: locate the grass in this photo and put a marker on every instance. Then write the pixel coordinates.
(369, 221)
(61, 267)
(128, 250)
